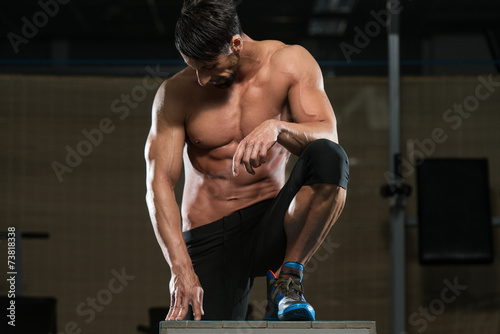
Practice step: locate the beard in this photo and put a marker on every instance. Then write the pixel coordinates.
(229, 80)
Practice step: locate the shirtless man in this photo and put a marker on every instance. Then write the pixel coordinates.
(233, 116)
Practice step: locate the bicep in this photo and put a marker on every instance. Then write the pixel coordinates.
(306, 96)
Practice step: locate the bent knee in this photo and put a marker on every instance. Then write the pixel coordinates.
(328, 163)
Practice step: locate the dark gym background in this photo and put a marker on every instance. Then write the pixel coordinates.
(73, 68)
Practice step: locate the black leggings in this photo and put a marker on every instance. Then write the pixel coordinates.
(229, 253)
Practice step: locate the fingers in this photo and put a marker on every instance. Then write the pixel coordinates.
(171, 309)
(238, 155)
(247, 158)
(255, 159)
(197, 304)
(175, 305)
(183, 309)
(179, 304)
(252, 150)
(178, 308)
(261, 155)
(241, 157)
(249, 154)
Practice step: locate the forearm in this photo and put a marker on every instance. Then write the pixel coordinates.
(296, 136)
(166, 220)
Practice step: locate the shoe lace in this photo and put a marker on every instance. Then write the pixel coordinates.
(290, 287)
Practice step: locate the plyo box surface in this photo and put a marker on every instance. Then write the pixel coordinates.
(269, 327)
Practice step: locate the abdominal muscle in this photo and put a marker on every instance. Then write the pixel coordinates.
(211, 192)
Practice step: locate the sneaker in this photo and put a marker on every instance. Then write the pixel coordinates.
(285, 300)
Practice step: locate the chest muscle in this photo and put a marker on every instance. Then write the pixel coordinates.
(225, 120)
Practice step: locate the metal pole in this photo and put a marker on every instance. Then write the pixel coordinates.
(397, 214)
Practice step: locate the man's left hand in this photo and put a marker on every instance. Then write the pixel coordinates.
(252, 150)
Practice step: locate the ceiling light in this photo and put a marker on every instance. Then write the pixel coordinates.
(333, 6)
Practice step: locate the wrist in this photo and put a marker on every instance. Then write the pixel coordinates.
(182, 268)
(278, 126)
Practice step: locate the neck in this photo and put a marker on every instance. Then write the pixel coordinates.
(251, 58)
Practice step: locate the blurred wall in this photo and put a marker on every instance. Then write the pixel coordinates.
(102, 261)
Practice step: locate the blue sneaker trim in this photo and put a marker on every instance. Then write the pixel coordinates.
(294, 265)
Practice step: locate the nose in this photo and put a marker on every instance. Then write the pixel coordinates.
(203, 77)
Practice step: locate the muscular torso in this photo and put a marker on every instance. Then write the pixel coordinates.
(216, 120)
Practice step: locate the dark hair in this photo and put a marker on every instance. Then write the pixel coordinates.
(205, 28)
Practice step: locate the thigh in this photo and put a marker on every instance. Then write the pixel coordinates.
(209, 267)
(220, 256)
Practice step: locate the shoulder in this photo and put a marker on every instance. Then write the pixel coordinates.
(295, 61)
(172, 94)
(176, 87)
(292, 54)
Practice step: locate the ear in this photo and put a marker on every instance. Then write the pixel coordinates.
(236, 43)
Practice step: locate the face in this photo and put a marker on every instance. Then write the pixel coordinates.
(220, 72)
